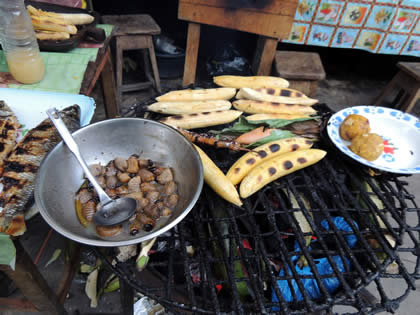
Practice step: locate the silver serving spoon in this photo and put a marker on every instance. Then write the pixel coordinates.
(112, 211)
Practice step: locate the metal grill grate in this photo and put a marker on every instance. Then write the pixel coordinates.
(240, 254)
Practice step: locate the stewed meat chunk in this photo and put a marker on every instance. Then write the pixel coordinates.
(165, 176)
(150, 184)
(146, 176)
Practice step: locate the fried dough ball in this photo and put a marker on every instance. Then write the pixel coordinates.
(369, 146)
(353, 126)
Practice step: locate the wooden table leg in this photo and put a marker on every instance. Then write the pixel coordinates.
(153, 62)
(191, 54)
(264, 55)
(119, 67)
(112, 106)
(32, 284)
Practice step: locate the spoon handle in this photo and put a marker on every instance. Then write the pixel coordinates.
(74, 148)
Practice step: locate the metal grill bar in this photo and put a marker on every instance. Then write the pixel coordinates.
(218, 231)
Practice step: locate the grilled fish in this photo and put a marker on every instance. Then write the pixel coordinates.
(8, 132)
(21, 166)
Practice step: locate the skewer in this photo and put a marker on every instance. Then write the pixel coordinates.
(203, 138)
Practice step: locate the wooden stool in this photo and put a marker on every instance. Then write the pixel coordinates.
(303, 70)
(134, 31)
(404, 88)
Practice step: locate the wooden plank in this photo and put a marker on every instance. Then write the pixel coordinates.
(264, 55)
(283, 7)
(136, 86)
(191, 54)
(276, 26)
(31, 283)
(299, 65)
(412, 68)
(16, 304)
(132, 42)
(88, 83)
(131, 24)
(153, 62)
(108, 85)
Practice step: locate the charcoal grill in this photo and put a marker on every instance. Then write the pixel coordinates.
(251, 247)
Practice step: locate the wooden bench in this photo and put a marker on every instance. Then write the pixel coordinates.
(303, 70)
(134, 31)
(404, 89)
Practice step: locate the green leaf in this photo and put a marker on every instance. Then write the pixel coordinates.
(240, 127)
(112, 285)
(278, 123)
(142, 262)
(84, 268)
(54, 257)
(275, 135)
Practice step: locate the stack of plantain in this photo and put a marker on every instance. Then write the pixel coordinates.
(271, 102)
(196, 108)
(56, 26)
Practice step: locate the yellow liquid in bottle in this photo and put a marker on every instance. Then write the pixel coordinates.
(26, 65)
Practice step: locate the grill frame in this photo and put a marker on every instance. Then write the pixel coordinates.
(330, 176)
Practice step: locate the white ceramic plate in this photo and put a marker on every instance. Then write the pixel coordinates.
(400, 131)
(30, 107)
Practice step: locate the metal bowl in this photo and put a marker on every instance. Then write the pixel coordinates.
(60, 175)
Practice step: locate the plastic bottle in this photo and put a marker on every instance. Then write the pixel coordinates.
(19, 42)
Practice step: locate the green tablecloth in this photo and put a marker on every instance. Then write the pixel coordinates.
(63, 71)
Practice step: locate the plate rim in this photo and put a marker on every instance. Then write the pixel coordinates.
(359, 159)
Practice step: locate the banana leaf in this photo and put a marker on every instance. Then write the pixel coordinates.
(275, 135)
(278, 123)
(242, 126)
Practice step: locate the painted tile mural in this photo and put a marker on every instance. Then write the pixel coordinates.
(378, 26)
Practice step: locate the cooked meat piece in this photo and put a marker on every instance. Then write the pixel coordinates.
(123, 177)
(160, 205)
(108, 231)
(138, 195)
(142, 203)
(143, 163)
(134, 227)
(111, 181)
(146, 187)
(169, 188)
(101, 181)
(111, 193)
(152, 211)
(165, 212)
(84, 195)
(121, 164)
(147, 222)
(133, 165)
(158, 170)
(134, 184)
(153, 196)
(88, 210)
(171, 201)
(97, 169)
(146, 176)
(110, 170)
(122, 190)
(165, 177)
